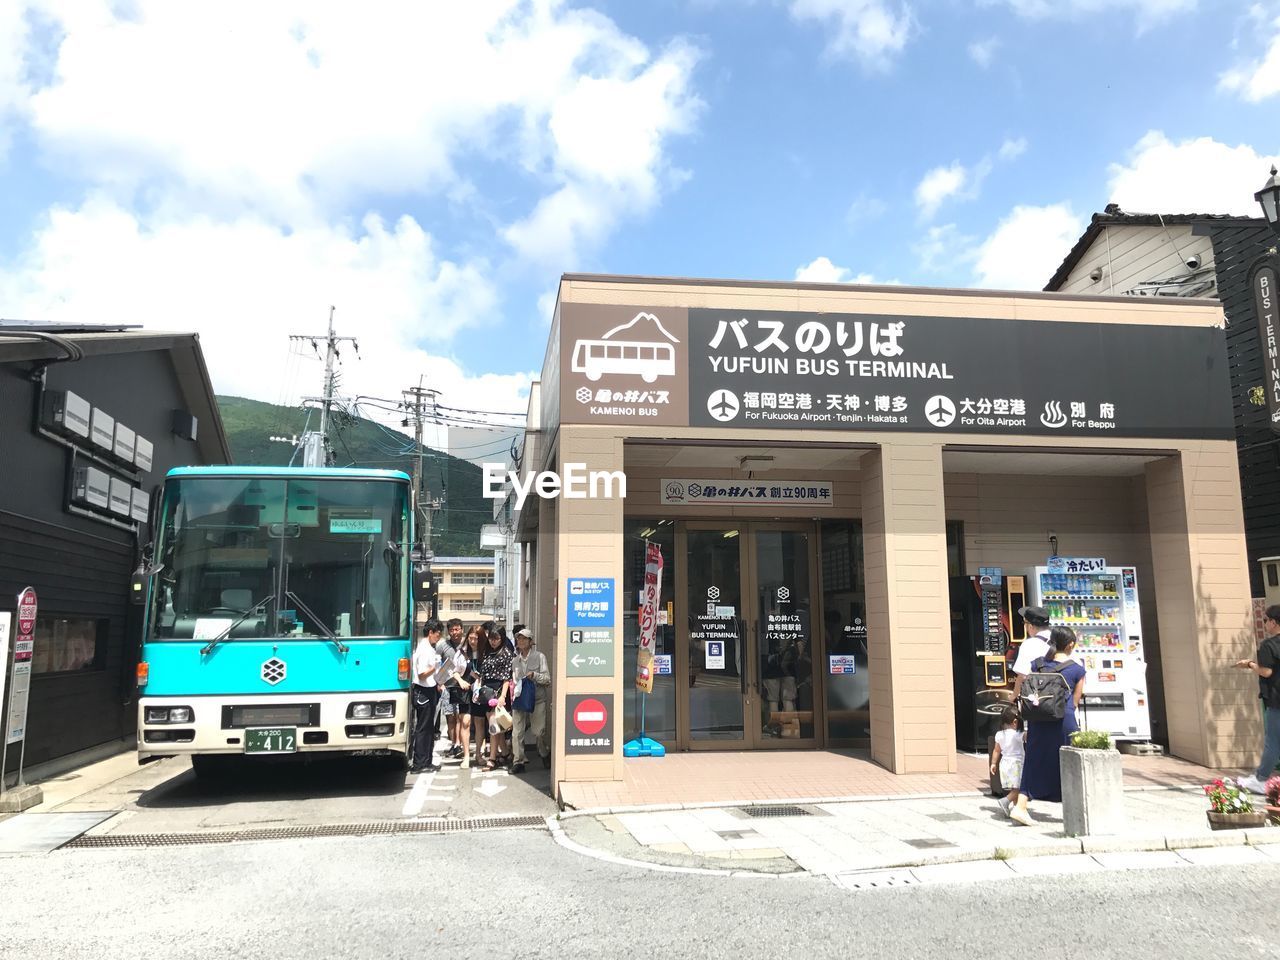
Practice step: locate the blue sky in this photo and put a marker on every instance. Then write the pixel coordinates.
(432, 168)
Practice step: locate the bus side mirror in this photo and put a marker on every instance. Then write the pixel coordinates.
(140, 580)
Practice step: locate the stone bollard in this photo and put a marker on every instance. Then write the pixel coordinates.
(1092, 792)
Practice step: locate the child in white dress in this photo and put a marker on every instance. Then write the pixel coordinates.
(1007, 756)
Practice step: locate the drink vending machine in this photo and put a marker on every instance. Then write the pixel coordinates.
(1100, 603)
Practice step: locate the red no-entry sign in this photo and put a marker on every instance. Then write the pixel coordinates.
(590, 716)
(590, 726)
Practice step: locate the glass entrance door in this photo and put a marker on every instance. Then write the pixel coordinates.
(749, 635)
(781, 569)
(718, 663)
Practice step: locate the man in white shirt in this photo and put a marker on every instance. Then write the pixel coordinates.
(530, 667)
(425, 695)
(1034, 647)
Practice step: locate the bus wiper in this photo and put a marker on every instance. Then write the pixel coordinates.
(204, 651)
(294, 598)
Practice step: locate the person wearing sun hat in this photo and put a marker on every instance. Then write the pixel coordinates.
(1035, 647)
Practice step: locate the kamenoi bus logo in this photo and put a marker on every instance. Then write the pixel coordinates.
(578, 483)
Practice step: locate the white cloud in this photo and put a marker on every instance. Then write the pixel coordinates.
(321, 102)
(1026, 247)
(1192, 176)
(944, 248)
(959, 182)
(868, 31)
(1012, 149)
(1259, 79)
(982, 52)
(15, 33)
(245, 285)
(1142, 9)
(822, 270)
(938, 185)
(865, 209)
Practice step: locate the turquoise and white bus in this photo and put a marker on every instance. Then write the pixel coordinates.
(279, 615)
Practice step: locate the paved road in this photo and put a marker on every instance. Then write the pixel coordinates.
(416, 896)
(167, 797)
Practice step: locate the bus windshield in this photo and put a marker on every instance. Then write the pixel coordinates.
(273, 557)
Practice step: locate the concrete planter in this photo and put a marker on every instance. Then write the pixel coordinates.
(1092, 792)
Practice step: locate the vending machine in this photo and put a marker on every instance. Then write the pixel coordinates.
(1100, 603)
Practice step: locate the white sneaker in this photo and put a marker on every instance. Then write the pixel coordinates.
(1252, 784)
(1004, 805)
(1018, 815)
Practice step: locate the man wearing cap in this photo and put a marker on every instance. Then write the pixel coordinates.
(1032, 648)
(530, 666)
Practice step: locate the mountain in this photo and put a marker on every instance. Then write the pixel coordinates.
(455, 529)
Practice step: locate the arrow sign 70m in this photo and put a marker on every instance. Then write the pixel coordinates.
(591, 652)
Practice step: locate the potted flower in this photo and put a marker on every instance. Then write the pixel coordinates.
(1273, 798)
(1092, 785)
(1230, 807)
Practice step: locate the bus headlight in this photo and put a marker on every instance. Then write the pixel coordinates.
(384, 709)
(361, 711)
(169, 715)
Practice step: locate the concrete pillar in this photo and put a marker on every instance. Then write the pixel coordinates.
(1201, 579)
(594, 527)
(908, 609)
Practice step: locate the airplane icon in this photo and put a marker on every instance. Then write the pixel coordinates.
(723, 405)
(940, 410)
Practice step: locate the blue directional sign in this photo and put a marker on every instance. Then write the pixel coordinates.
(590, 602)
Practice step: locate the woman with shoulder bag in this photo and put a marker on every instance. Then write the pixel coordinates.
(465, 682)
(532, 678)
(495, 680)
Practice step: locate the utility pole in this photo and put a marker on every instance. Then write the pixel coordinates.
(419, 402)
(315, 443)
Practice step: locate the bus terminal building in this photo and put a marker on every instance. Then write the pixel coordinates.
(822, 469)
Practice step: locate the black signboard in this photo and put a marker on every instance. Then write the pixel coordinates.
(1263, 282)
(958, 375)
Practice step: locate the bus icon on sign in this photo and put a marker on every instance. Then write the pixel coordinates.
(646, 359)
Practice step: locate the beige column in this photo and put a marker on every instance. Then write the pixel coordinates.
(1201, 579)
(908, 608)
(590, 545)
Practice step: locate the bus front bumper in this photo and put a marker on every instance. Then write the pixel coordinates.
(308, 723)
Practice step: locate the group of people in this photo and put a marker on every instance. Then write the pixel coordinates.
(1025, 754)
(485, 685)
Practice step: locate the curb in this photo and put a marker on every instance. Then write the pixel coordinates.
(1051, 847)
(570, 812)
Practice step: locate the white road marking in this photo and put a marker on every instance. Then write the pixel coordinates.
(418, 795)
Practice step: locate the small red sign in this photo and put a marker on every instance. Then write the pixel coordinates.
(24, 641)
(590, 717)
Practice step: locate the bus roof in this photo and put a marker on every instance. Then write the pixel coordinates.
(336, 473)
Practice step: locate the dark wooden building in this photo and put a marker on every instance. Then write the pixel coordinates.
(91, 418)
(1198, 255)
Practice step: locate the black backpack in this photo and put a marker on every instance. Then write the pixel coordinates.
(1044, 692)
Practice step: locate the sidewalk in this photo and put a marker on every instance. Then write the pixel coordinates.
(807, 776)
(838, 838)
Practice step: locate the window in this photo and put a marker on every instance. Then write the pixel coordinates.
(473, 579)
(597, 350)
(464, 605)
(65, 644)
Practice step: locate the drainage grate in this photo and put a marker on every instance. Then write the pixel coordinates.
(373, 829)
(778, 811)
(928, 843)
(949, 817)
(875, 879)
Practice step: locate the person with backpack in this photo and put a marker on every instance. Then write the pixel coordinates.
(1035, 646)
(1047, 699)
(1265, 668)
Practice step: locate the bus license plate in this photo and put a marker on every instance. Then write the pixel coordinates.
(271, 740)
